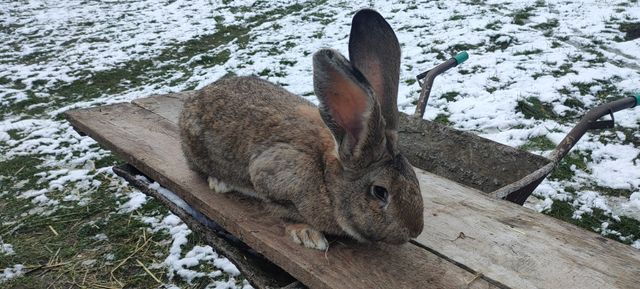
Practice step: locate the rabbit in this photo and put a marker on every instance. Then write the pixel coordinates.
(333, 169)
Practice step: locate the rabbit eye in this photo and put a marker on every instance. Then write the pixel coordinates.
(380, 193)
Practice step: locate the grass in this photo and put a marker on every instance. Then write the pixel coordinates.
(607, 90)
(547, 25)
(442, 119)
(62, 248)
(532, 107)
(631, 30)
(521, 16)
(565, 168)
(495, 25)
(528, 52)
(450, 96)
(500, 42)
(539, 143)
(628, 228)
(563, 70)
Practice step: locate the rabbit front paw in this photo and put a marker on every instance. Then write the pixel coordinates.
(307, 236)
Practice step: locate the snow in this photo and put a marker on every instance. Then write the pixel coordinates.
(135, 202)
(6, 249)
(177, 263)
(636, 244)
(614, 166)
(88, 263)
(101, 237)
(589, 200)
(11, 272)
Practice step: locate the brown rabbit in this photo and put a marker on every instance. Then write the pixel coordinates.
(334, 169)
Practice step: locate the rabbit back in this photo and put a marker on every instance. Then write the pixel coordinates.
(235, 119)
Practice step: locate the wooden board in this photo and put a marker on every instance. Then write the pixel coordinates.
(510, 245)
(150, 143)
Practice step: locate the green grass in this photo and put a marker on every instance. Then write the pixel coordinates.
(521, 16)
(496, 25)
(539, 143)
(607, 91)
(627, 227)
(631, 30)
(528, 52)
(495, 45)
(532, 107)
(450, 96)
(564, 171)
(548, 25)
(442, 119)
(54, 247)
(563, 70)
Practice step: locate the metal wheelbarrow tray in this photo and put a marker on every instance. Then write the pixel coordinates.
(470, 238)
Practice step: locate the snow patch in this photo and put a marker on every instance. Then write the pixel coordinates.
(6, 248)
(636, 244)
(587, 201)
(180, 265)
(101, 237)
(11, 272)
(135, 202)
(615, 166)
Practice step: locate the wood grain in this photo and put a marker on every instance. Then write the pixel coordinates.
(507, 243)
(520, 247)
(150, 143)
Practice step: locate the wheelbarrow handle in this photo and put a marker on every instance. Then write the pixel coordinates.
(430, 75)
(519, 190)
(589, 121)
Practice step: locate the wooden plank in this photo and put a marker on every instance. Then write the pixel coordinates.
(510, 244)
(520, 247)
(168, 106)
(150, 143)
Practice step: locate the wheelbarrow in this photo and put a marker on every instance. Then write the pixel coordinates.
(498, 170)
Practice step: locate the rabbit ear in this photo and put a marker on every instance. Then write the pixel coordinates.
(375, 51)
(346, 103)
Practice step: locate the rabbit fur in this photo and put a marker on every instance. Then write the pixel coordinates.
(332, 169)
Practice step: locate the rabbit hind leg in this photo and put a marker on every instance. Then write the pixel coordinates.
(218, 186)
(221, 187)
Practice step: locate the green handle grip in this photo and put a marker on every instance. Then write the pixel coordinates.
(461, 57)
(637, 99)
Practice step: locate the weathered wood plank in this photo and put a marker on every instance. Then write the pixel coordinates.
(150, 143)
(520, 247)
(513, 245)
